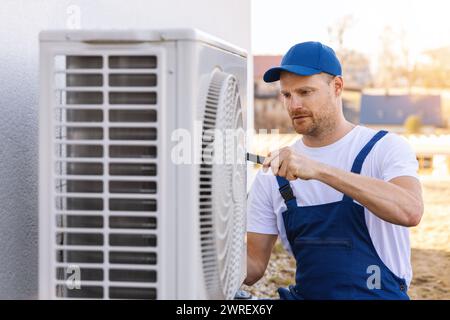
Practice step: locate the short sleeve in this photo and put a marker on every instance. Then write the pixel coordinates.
(396, 158)
(261, 217)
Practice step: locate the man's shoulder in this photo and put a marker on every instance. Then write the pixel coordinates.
(391, 139)
(366, 132)
(391, 148)
(390, 157)
(394, 151)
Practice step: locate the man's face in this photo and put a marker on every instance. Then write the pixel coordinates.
(310, 101)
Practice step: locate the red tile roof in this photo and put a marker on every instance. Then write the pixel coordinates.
(262, 63)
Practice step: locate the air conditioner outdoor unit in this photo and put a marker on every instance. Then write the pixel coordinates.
(121, 217)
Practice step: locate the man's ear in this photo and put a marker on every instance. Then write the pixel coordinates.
(338, 86)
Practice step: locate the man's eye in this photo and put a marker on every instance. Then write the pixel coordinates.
(305, 93)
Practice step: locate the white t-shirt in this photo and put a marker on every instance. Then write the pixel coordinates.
(391, 157)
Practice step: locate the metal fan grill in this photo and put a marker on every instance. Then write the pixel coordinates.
(222, 187)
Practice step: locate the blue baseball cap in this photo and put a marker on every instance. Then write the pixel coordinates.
(306, 59)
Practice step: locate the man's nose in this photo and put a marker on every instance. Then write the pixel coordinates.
(295, 103)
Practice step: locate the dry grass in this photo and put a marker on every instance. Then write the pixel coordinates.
(430, 243)
(430, 255)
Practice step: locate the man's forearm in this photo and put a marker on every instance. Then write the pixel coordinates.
(385, 199)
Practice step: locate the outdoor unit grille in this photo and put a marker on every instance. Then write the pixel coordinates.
(222, 189)
(119, 216)
(106, 179)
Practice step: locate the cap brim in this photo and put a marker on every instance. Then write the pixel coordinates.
(273, 74)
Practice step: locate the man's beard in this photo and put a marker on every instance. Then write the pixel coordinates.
(317, 126)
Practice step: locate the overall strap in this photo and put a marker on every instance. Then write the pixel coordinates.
(286, 192)
(359, 160)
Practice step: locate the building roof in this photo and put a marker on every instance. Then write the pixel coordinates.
(395, 109)
(262, 63)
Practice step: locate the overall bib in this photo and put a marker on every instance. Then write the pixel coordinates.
(335, 255)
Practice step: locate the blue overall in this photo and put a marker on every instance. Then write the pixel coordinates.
(335, 255)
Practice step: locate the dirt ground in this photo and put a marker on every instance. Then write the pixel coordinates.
(430, 254)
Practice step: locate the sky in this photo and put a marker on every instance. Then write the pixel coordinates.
(278, 24)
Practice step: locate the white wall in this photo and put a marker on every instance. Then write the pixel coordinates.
(20, 23)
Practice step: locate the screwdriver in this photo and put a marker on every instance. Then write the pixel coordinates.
(255, 158)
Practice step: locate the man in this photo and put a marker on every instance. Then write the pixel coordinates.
(341, 198)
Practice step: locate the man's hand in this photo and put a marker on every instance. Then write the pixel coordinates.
(291, 165)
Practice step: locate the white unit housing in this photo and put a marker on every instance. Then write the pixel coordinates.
(124, 211)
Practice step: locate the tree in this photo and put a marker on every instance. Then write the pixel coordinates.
(413, 125)
(388, 72)
(355, 65)
(396, 67)
(434, 71)
(338, 30)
